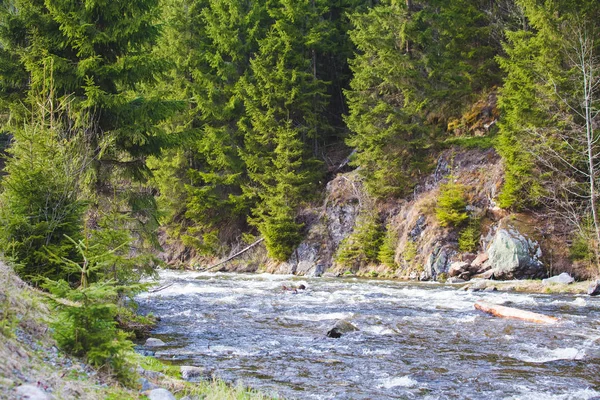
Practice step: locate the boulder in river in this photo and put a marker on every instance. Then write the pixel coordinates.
(513, 255)
(594, 289)
(341, 327)
(153, 342)
(563, 278)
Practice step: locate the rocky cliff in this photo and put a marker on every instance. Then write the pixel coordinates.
(509, 245)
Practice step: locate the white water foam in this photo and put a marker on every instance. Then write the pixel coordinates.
(379, 330)
(581, 394)
(535, 354)
(402, 381)
(319, 317)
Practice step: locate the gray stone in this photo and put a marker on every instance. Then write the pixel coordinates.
(31, 392)
(455, 279)
(457, 268)
(153, 342)
(189, 372)
(563, 278)
(341, 327)
(485, 275)
(512, 255)
(146, 384)
(160, 394)
(437, 262)
(594, 289)
(479, 260)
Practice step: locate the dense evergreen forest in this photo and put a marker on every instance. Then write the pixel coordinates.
(217, 121)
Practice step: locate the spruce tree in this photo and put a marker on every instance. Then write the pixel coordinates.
(284, 101)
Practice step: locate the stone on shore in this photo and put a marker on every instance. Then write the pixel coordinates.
(31, 392)
(594, 289)
(189, 372)
(563, 278)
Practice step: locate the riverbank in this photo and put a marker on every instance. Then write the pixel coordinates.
(533, 286)
(33, 367)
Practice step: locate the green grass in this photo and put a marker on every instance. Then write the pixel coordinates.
(470, 142)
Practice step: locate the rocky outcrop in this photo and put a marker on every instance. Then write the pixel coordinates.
(327, 227)
(594, 289)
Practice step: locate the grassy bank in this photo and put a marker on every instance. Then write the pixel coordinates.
(30, 356)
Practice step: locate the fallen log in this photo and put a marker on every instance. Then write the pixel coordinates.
(509, 312)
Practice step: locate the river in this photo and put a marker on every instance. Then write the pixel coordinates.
(416, 340)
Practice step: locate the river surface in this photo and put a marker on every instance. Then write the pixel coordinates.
(416, 341)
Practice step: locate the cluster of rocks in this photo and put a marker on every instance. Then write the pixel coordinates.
(478, 266)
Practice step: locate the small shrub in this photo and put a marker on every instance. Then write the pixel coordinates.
(410, 251)
(387, 251)
(451, 204)
(468, 240)
(362, 246)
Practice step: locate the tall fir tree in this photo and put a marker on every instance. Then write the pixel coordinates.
(284, 101)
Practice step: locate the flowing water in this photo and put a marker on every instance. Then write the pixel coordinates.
(416, 341)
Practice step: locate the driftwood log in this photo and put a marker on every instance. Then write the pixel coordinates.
(509, 312)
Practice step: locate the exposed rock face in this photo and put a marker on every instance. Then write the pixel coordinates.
(438, 262)
(563, 278)
(341, 327)
(328, 226)
(457, 268)
(513, 255)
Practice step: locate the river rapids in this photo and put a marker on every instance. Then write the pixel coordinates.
(416, 341)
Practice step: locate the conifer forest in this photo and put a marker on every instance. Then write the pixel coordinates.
(132, 128)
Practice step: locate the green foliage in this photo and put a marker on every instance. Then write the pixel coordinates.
(41, 200)
(86, 325)
(451, 204)
(410, 251)
(468, 239)
(415, 68)
(387, 250)
(363, 245)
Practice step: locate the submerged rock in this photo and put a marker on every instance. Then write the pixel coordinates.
(563, 278)
(341, 327)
